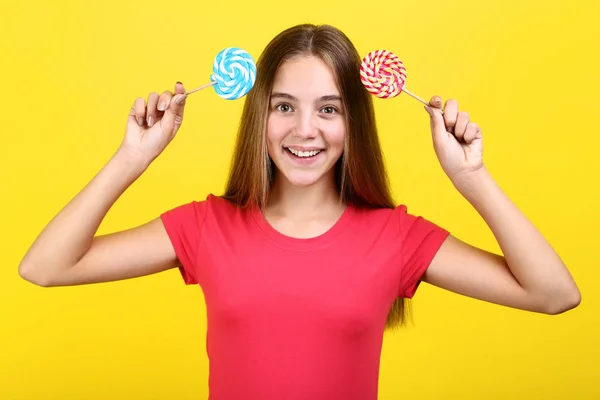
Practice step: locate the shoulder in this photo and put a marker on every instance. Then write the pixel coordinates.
(198, 211)
(211, 202)
(397, 222)
(394, 216)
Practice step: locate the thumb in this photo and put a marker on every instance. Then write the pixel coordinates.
(173, 117)
(436, 121)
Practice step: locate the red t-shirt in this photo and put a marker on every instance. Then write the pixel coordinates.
(298, 318)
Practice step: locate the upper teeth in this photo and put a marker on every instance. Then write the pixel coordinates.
(304, 153)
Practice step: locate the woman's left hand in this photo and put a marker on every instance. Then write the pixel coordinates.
(457, 140)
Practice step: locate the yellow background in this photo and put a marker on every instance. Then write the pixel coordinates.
(525, 70)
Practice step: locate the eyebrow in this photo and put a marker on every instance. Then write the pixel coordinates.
(330, 97)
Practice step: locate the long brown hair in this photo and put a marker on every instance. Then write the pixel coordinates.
(361, 176)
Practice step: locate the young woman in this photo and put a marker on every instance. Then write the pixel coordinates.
(305, 259)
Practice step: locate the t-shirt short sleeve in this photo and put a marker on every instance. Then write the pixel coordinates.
(421, 240)
(184, 226)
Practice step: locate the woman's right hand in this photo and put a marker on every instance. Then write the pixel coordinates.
(152, 124)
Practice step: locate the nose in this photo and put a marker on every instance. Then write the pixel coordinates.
(306, 127)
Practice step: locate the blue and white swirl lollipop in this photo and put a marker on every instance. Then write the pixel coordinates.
(234, 74)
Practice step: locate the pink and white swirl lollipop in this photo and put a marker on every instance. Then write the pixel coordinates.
(384, 75)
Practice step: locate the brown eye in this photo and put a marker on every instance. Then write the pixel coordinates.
(329, 110)
(283, 107)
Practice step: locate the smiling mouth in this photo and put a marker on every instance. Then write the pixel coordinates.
(303, 154)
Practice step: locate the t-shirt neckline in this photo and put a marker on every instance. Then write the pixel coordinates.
(290, 242)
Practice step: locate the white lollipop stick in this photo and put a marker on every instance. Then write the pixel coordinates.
(200, 88)
(415, 96)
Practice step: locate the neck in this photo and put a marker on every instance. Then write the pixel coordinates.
(303, 201)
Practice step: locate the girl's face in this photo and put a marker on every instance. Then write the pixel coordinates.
(306, 126)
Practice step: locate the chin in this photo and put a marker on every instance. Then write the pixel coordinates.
(303, 179)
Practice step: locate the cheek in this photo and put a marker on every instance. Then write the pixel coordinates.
(336, 136)
(276, 131)
(272, 135)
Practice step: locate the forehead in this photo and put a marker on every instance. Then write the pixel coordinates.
(305, 76)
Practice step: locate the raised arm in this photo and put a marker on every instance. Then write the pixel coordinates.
(529, 275)
(68, 251)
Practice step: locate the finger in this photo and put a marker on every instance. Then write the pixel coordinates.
(450, 115)
(151, 108)
(436, 102)
(138, 111)
(179, 90)
(472, 132)
(436, 120)
(462, 120)
(164, 101)
(173, 117)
